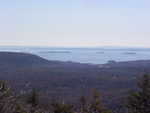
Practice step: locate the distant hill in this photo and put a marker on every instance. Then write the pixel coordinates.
(68, 79)
(22, 59)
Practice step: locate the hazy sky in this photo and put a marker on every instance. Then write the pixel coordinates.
(75, 22)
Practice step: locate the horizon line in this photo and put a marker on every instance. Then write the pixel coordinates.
(105, 46)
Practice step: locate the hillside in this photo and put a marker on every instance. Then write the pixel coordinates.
(70, 80)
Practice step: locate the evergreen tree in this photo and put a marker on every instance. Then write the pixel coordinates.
(83, 105)
(6, 99)
(96, 105)
(62, 108)
(93, 105)
(139, 102)
(19, 109)
(33, 99)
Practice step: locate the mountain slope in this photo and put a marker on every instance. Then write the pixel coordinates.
(70, 80)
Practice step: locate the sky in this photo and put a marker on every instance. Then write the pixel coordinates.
(75, 23)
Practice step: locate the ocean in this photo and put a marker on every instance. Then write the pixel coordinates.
(99, 55)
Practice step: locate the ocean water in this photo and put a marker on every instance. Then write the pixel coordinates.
(84, 55)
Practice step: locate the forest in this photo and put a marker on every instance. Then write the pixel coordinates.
(136, 102)
(55, 85)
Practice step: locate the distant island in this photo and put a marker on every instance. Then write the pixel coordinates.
(55, 52)
(130, 53)
(100, 52)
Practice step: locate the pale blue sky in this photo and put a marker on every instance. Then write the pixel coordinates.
(75, 22)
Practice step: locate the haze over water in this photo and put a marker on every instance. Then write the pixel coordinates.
(84, 55)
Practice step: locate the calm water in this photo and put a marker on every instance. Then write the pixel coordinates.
(85, 55)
